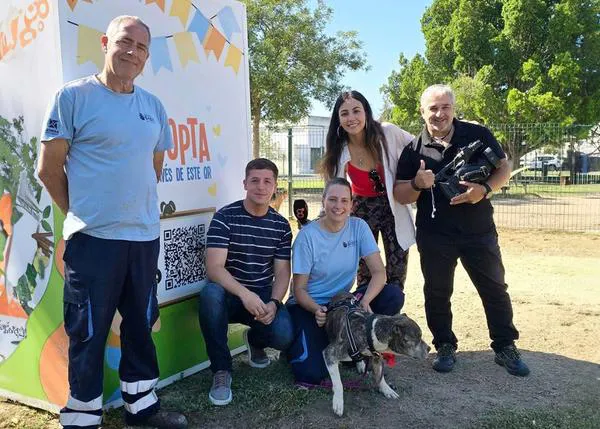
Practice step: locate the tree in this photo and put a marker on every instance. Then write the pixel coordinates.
(509, 62)
(292, 60)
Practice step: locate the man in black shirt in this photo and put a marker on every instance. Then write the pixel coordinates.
(462, 227)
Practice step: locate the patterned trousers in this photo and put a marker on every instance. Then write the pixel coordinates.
(376, 211)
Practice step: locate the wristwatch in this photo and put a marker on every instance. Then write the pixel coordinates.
(278, 303)
(488, 190)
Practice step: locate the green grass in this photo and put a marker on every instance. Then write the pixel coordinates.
(316, 184)
(302, 182)
(258, 395)
(547, 189)
(584, 416)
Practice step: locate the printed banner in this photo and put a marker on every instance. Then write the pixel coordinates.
(209, 37)
(181, 268)
(206, 99)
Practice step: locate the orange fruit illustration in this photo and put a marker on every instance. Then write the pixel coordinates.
(54, 367)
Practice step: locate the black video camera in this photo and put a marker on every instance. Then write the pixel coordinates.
(471, 164)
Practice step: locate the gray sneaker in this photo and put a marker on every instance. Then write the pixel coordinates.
(257, 358)
(220, 392)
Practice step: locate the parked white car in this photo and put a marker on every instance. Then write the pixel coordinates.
(552, 161)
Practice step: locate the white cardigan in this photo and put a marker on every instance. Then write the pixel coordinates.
(397, 140)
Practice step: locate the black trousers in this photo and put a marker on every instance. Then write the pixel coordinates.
(481, 258)
(102, 276)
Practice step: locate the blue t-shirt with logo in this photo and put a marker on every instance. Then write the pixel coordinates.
(112, 140)
(330, 259)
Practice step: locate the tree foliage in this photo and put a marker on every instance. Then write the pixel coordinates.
(292, 59)
(509, 61)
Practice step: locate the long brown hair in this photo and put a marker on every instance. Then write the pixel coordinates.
(336, 135)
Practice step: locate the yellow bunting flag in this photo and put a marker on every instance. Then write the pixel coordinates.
(89, 47)
(181, 9)
(233, 58)
(159, 3)
(214, 41)
(185, 48)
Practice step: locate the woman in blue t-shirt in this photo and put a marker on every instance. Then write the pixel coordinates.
(325, 257)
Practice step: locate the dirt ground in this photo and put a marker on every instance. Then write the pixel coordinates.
(554, 282)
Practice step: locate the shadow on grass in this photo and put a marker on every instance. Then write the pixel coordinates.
(259, 395)
(560, 393)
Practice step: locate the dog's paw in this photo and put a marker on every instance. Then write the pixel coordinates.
(338, 404)
(388, 392)
(361, 366)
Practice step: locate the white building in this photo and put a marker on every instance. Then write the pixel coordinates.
(307, 140)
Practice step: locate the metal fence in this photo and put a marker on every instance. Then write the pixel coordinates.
(559, 199)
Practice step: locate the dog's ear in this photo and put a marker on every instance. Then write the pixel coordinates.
(401, 322)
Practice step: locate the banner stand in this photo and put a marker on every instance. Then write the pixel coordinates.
(198, 68)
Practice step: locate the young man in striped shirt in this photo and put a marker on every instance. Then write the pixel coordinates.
(248, 264)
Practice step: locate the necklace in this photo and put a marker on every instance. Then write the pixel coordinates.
(441, 139)
(359, 154)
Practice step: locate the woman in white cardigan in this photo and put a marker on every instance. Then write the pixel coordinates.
(366, 152)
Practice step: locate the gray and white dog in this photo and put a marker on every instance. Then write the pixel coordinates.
(353, 331)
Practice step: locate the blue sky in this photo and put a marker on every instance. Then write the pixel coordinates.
(386, 28)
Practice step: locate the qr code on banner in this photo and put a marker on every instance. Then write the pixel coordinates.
(184, 249)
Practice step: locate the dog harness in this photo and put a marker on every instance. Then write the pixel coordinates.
(351, 306)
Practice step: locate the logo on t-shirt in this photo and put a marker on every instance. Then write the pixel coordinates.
(52, 127)
(349, 243)
(145, 117)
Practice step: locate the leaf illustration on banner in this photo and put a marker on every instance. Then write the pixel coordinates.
(228, 22)
(181, 9)
(89, 47)
(216, 130)
(159, 54)
(185, 48)
(215, 42)
(212, 190)
(233, 58)
(159, 3)
(199, 25)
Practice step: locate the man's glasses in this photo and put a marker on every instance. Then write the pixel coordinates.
(378, 185)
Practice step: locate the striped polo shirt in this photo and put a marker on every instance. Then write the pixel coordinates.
(252, 243)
